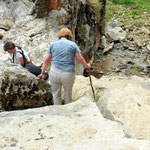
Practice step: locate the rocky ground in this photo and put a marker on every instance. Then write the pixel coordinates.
(128, 57)
(118, 120)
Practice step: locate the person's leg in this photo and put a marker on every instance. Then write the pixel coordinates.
(56, 90)
(55, 80)
(67, 81)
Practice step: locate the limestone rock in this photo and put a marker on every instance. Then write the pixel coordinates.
(113, 32)
(148, 47)
(75, 126)
(6, 19)
(106, 45)
(85, 18)
(126, 100)
(120, 98)
(19, 89)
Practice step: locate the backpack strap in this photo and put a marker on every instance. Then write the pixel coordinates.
(22, 53)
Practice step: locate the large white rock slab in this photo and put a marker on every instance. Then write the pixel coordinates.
(121, 98)
(127, 100)
(75, 126)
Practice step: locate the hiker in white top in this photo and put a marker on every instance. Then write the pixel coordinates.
(20, 56)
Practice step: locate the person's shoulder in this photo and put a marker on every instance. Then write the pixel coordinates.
(53, 43)
(18, 49)
(64, 41)
(73, 43)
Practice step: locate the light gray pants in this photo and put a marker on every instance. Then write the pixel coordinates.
(59, 78)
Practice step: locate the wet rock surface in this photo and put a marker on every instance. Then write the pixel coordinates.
(129, 56)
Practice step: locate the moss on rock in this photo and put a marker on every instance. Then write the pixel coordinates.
(96, 6)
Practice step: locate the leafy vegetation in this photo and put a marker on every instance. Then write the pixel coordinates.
(128, 12)
(96, 5)
(135, 70)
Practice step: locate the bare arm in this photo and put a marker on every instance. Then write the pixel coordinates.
(82, 60)
(30, 62)
(45, 64)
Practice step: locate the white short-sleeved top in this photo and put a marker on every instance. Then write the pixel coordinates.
(18, 54)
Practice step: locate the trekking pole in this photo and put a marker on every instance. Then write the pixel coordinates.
(91, 82)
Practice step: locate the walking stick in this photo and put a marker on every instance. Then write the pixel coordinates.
(91, 83)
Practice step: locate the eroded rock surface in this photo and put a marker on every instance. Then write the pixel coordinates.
(19, 89)
(75, 126)
(122, 99)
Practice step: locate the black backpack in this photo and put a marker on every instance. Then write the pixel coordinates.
(22, 53)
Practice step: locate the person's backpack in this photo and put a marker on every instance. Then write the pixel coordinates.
(22, 53)
(31, 67)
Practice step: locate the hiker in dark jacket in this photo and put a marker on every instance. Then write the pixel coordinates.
(21, 57)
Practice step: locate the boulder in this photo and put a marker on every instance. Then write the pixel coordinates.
(148, 47)
(19, 89)
(75, 126)
(114, 32)
(122, 99)
(6, 19)
(126, 100)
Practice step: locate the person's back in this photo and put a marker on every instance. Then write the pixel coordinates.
(63, 54)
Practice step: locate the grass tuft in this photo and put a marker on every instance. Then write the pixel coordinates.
(123, 2)
(128, 12)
